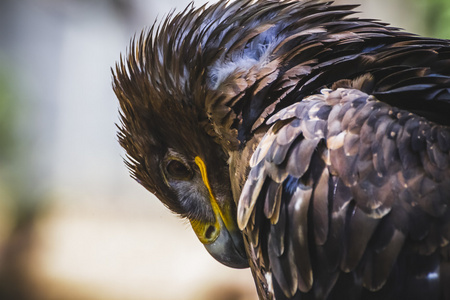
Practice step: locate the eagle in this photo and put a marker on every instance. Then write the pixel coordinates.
(299, 140)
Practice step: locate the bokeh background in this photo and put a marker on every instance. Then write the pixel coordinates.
(73, 225)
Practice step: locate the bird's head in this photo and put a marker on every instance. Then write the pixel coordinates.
(170, 153)
(194, 90)
(172, 149)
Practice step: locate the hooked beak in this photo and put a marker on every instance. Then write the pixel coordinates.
(222, 238)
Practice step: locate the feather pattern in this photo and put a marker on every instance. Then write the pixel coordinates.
(337, 198)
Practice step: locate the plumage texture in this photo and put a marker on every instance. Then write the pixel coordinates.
(331, 132)
(355, 196)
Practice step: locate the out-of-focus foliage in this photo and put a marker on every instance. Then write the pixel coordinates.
(8, 148)
(16, 197)
(437, 17)
(16, 213)
(7, 113)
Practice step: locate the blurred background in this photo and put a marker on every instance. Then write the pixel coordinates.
(73, 225)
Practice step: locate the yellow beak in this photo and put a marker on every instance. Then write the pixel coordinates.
(221, 238)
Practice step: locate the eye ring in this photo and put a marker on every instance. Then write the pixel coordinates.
(177, 170)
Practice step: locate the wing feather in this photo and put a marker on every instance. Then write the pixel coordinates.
(320, 208)
(273, 197)
(298, 216)
(344, 184)
(303, 148)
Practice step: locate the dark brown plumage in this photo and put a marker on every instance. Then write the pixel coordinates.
(331, 133)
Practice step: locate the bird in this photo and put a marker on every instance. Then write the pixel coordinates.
(299, 140)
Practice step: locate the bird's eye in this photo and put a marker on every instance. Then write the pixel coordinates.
(178, 170)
